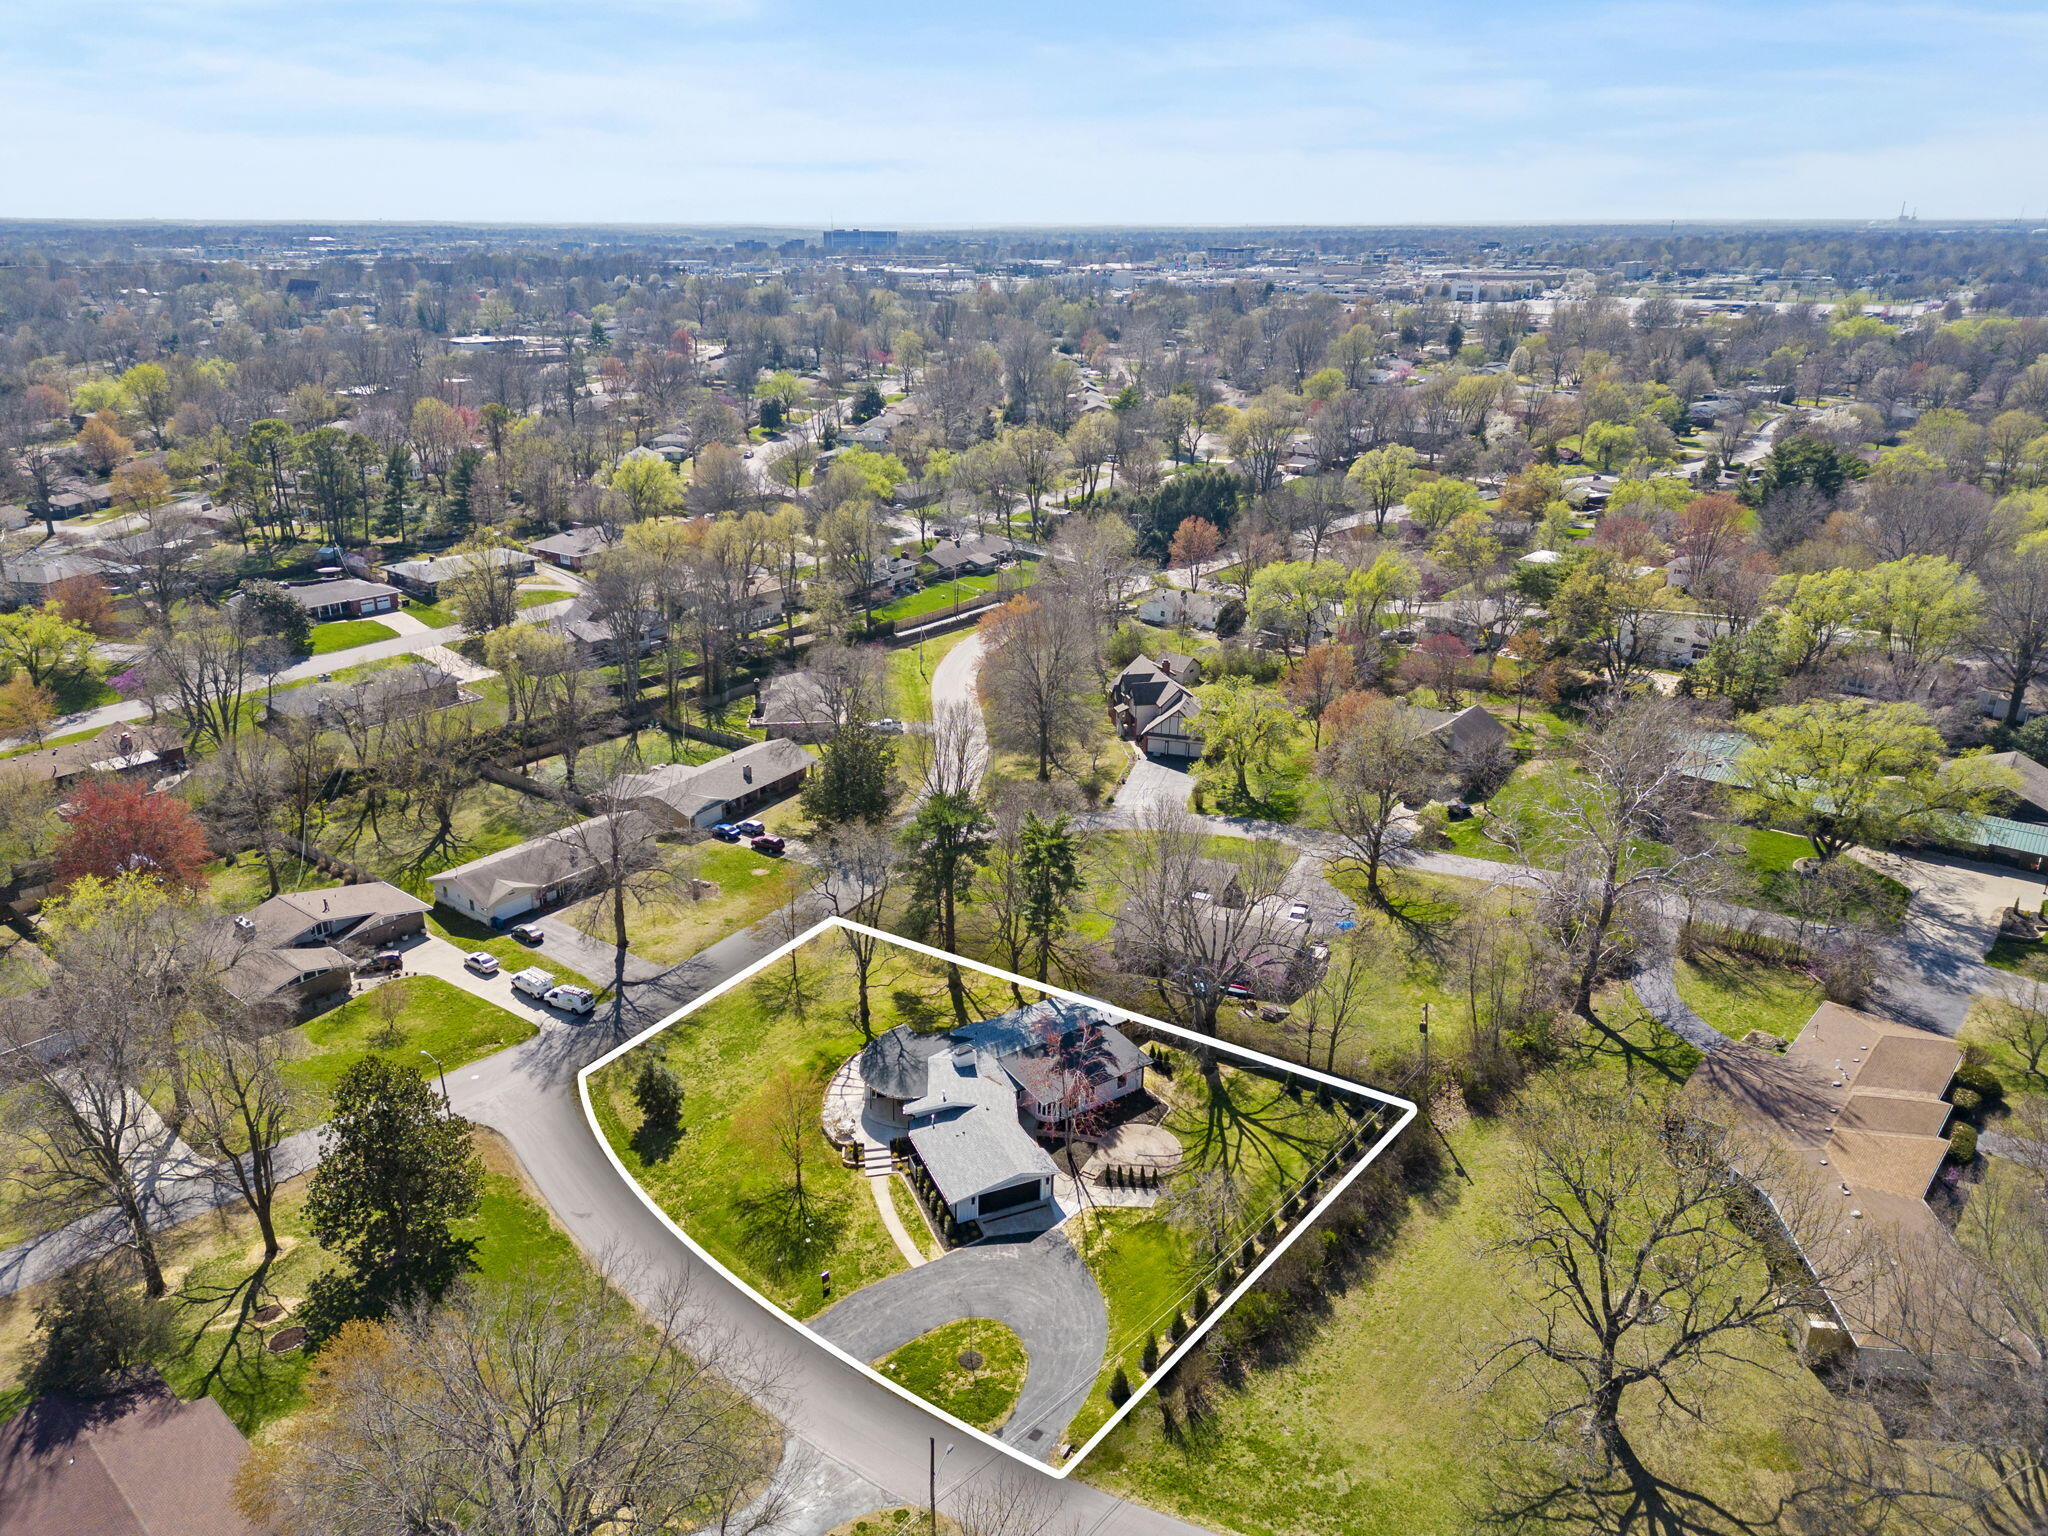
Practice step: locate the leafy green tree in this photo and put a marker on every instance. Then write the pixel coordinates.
(854, 777)
(273, 612)
(1803, 460)
(1849, 772)
(44, 646)
(398, 1169)
(641, 487)
(149, 391)
(1436, 504)
(1614, 613)
(1245, 728)
(1746, 668)
(1295, 598)
(1206, 493)
(93, 1329)
(1923, 610)
(1379, 479)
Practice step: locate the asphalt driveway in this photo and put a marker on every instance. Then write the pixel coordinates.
(1042, 1289)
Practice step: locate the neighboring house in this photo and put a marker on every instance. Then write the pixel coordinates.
(573, 549)
(974, 1100)
(2031, 804)
(1467, 735)
(424, 579)
(128, 749)
(794, 705)
(508, 884)
(346, 598)
(412, 689)
(285, 950)
(980, 555)
(1155, 706)
(1177, 607)
(770, 604)
(595, 641)
(32, 579)
(722, 790)
(139, 1463)
(1277, 958)
(1852, 1116)
(893, 575)
(1217, 880)
(1673, 637)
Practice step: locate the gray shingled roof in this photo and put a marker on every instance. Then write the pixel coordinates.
(691, 789)
(965, 1129)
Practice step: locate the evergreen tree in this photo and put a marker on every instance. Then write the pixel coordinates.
(852, 778)
(461, 481)
(397, 1171)
(1050, 860)
(274, 611)
(397, 494)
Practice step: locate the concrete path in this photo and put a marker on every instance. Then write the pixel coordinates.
(1041, 1289)
(956, 686)
(899, 1234)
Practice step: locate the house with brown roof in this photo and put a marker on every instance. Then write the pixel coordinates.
(126, 749)
(289, 949)
(1155, 706)
(345, 597)
(1847, 1132)
(725, 789)
(140, 1463)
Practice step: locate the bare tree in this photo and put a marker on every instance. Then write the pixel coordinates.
(1640, 1257)
(1618, 836)
(857, 866)
(539, 1404)
(1036, 671)
(242, 1104)
(1378, 761)
(628, 866)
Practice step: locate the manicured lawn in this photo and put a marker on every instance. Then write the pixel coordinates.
(1737, 993)
(217, 1276)
(436, 1016)
(533, 597)
(346, 634)
(52, 741)
(434, 615)
(937, 597)
(1141, 1265)
(2027, 957)
(723, 1179)
(489, 818)
(972, 1369)
(668, 926)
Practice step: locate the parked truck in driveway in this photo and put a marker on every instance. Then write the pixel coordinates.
(534, 982)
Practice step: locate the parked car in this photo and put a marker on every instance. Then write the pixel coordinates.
(1241, 992)
(534, 982)
(888, 727)
(749, 828)
(482, 961)
(1298, 913)
(526, 933)
(383, 963)
(726, 832)
(769, 844)
(571, 999)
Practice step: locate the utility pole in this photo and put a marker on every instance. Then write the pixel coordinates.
(443, 1070)
(933, 1506)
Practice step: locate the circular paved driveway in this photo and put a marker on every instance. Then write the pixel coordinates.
(1042, 1289)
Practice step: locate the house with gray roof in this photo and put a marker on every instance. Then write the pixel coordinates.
(414, 688)
(289, 949)
(1155, 706)
(573, 548)
(425, 578)
(725, 789)
(979, 1102)
(344, 598)
(508, 884)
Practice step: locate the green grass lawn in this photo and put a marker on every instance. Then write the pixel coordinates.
(722, 1180)
(214, 1265)
(668, 926)
(936, 598)
(52, 741)
(490, 818)
(245, 883)
(435, 1016)
(1375, 1423)
(972, 1369)
(346, 634)
(2026, 957)
(1737, 993)
(910, 669)
(1141, 1265)
(433, 615)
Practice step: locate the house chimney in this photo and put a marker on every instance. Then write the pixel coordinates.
(747, 772)
(127, 744)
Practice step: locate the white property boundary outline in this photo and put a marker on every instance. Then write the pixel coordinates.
(1195, 1334)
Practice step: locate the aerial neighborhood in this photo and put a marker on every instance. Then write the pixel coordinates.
(1351, 781)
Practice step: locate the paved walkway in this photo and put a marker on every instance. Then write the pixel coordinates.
(956, 685)
(1041, 1289)
(899, 1234)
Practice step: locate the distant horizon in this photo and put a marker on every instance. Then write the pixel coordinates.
(1302, 114)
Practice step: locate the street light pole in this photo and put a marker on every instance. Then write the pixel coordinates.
(934, 1490)
(443, 1070)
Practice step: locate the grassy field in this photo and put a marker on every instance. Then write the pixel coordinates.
(972, 1369)
(1377, 1424)
(244, 883)
(346, 634)
(433, 1015)
(489, 819)
(936, 598)
(217, 1278)
(668, 926)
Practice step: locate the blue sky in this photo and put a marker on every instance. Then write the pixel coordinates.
(721, 111)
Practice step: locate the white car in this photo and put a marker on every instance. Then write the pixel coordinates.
(571, 999)
(1298, 913)
(534, 982)
(482, 961)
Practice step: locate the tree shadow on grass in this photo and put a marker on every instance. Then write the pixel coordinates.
(656, 1143)
(787, 1236)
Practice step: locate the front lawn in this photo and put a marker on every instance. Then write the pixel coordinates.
(347, 634)
(910, 672)
(668, 926)
(1737, 993)
(972, 1369)
(430, 1015)
(936, 598)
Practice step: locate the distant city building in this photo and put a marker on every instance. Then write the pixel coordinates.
(860, 240)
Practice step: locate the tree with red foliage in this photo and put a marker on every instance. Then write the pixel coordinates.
(1439, 661)
(114, 828)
